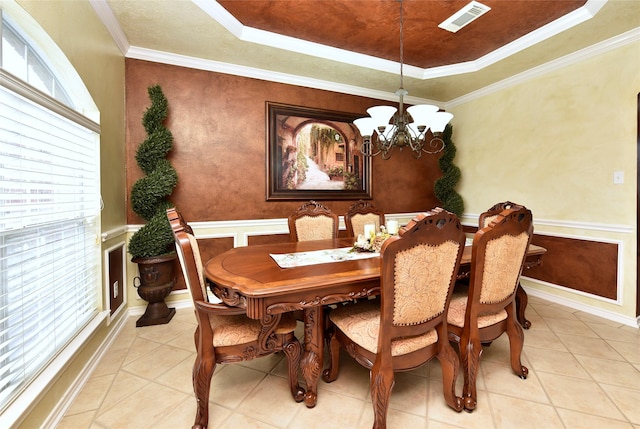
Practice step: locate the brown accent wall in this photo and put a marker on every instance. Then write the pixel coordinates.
(219, 127)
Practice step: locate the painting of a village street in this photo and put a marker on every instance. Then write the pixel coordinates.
(316, 155)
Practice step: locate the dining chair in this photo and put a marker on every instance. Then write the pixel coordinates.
(225, 334)
(408, 326)
(486, 309)
(312, 221)
(361, 213)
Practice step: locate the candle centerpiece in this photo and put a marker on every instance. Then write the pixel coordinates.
(371, 241)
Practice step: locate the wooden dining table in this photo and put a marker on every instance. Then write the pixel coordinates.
(249, 277)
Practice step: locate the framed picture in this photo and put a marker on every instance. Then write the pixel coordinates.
(314, 154)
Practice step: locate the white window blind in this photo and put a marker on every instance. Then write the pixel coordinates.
(49, 236)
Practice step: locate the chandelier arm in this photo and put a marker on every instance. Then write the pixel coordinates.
(435, 146)
(415, 144)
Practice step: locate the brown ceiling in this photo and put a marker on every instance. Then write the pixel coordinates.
(372, 27)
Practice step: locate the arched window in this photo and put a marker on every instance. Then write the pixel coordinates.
(50, 266)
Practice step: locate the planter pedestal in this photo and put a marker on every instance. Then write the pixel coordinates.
(157, 312)
(156, 280)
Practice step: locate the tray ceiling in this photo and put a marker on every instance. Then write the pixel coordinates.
(354, 44)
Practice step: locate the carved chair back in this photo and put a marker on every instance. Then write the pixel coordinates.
(418, 273)
(313, 221)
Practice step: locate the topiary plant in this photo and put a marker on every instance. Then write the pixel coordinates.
(149, 195)
(444, 187)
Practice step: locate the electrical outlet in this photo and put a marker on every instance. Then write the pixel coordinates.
(618, 177)
(115, 289)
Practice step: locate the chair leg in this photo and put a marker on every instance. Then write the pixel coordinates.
(382, 381)
(470, 351)
(331, 373)
(293, 351)
(202, 372)
(450, 363)
(516, 343)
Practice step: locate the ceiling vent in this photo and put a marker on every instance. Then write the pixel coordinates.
(464, 16)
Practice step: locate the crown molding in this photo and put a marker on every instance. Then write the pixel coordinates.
(256, 73)
(616, 42)
(621, 40)
(104, 12)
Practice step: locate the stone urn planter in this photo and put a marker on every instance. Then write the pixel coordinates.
(154, 284)
(152, 246)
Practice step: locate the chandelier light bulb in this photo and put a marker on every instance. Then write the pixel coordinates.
(422, 113)
(381, 114)
(439, 121)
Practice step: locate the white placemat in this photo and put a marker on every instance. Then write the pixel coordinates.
(301, 259)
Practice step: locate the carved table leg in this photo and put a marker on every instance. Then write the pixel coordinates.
(313, 351)
(521, 305)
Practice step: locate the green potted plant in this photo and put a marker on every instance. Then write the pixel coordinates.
(444, 187)
(152, 247)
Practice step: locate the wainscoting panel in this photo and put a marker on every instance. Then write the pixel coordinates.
(115, 288)
(588, 266)
(583, 265)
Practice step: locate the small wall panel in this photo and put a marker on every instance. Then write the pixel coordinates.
(584, 265)
(116, 283)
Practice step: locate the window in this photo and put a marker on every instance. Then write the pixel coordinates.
(50, 265)
(21, 60)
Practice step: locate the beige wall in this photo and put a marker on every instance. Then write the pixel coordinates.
(76, 29)
(553, 144)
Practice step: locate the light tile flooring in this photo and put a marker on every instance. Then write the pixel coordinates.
(584, 372)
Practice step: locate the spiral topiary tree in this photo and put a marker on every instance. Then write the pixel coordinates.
(150, 194)
(444, 187)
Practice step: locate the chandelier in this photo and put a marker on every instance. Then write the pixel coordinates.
(396, 128)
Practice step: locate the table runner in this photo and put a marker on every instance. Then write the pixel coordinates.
(301, 259)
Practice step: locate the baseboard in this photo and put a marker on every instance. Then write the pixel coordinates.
(567, 302)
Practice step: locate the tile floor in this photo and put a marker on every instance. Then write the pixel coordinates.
(584, 372)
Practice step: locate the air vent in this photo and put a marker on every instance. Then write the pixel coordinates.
(464, 16)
